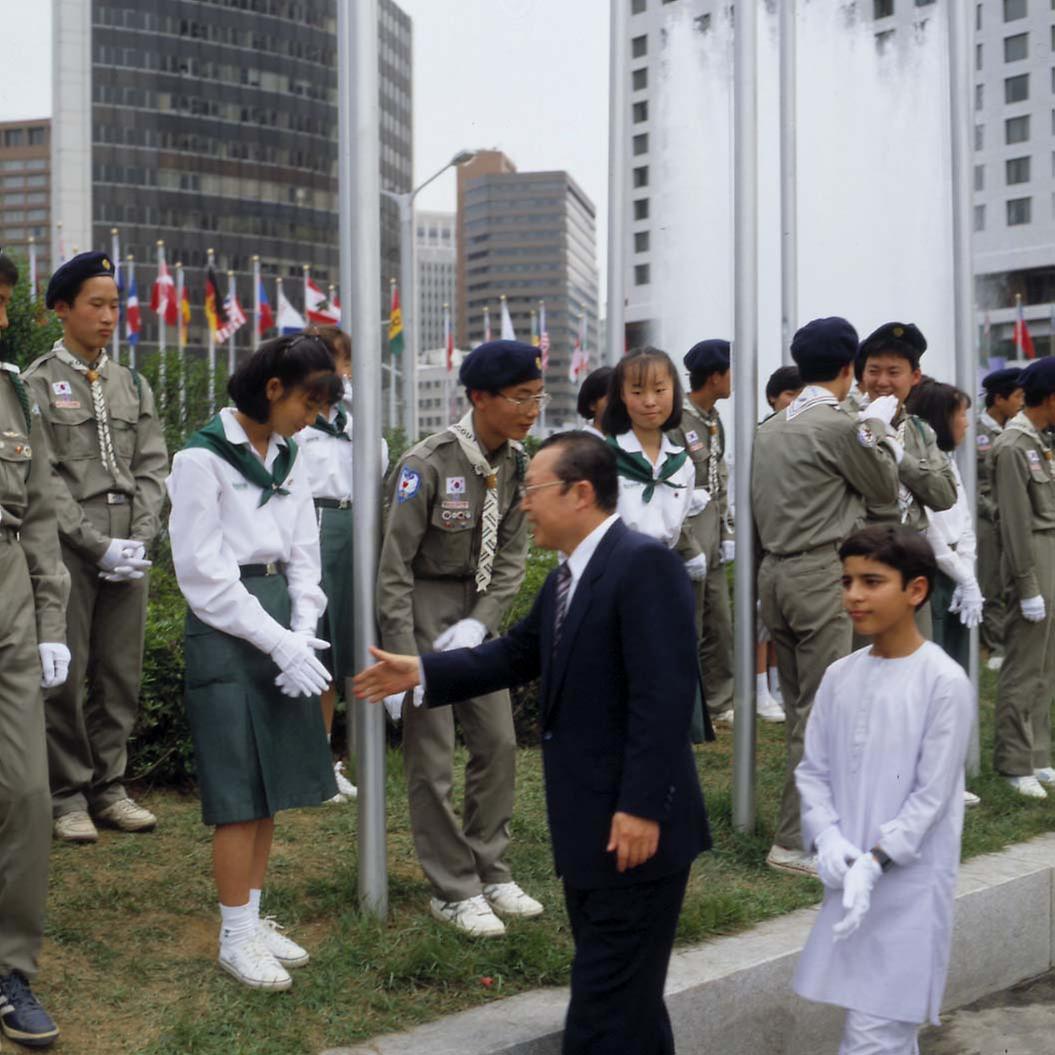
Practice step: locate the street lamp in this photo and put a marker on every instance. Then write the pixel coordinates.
(407, 282)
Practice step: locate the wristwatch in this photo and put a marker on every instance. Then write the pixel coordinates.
(883, 859)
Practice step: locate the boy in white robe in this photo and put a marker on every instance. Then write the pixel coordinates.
(881, 783)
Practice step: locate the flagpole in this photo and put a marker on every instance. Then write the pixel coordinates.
(618, 115)
(1020, 344)
(306, 270)
(162, 370)
(180, 350)
(545, 360)
(231, 353)
(130, 260)
(333, 301)
(115, 256)
(392, 420)
(32, 267)
(256, 302)
(211, 369)
(789, 232)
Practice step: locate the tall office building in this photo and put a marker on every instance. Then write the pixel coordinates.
(530, 236)
(435, 258)
(25, 192)
(210, 125)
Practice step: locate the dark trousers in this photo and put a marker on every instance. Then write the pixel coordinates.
(623, 937)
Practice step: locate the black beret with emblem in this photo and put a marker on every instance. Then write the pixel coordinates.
(70, 276)
(1003, 382)
(1038, 379)
(495, 365)
(901, 338)
(708, 357)
(828, 342)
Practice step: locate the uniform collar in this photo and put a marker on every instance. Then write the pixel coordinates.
(60, 346)
(990, 422)
(630, 443)
(232, 429)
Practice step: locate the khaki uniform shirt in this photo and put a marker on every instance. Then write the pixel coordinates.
(986, 433)
(435, 505)
(812, 474)
(1024, 496)
(65, 400)
(27, 506)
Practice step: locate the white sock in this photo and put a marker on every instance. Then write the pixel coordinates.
(254, 903)
(761, 687)
(774, 684)
(237, 924)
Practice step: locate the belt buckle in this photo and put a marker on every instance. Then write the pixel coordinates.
(345, 503)
(271, 568)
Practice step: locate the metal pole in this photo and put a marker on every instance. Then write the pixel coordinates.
(212, 338)
(745, 370)
(162, 365)
(256, 302)
(131, 262)
(410, 316)
(181, 365)
(115, 257)
(33, 268)
(789, 218)
(232, 355)
(960, 78)
(618, 103)
(393, 416)
(360, 234)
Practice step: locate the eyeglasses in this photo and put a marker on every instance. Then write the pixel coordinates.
(531, 488)
(540, 400)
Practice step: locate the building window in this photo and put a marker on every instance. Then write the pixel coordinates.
(979, 177)
(640, 111)
(924, 3)
(979, 96)
(979, 217)
(641, 176)
(1016, 129)
(1017, 170)
(639, 79)
(978, 56)
(885, 39)
(977, 16)
(1019, 211)
(641, 240)
(641, 144)
(13, 137)
(1016, 48)
(639, 46)
(637, 7)
(641, 274)
(37, 137)
(883, 8)
(641, 209)
(979, 136)
(1014, 10)
(1016, 89)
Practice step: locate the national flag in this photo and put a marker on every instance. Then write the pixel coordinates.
(508, 333)
(336, 309)
(289, 319)
(163, 296)
(448, 337)
(133, 320)
(212, 316)
(234, 315)
(1023, 341)
(267, 320)
(487, 323)
(317, 307)
(580, 357)
(395, 324)
(543, 340)
(184, 316)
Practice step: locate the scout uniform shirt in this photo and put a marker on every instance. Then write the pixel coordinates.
(986, 433)
(325, 449)
(435, 507)
(139, 458)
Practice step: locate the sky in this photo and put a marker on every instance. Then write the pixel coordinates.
(529, 77)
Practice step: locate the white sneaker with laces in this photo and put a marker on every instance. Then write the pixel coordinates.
(344, 786)
(1028, 786)
(1045, 775)
(473, 916)
(337, 800)
(253, 965)
(75, 827)
(285, 950)
(127, 816)
(509, 900)
(725, 718)
(970, 799)
(769, 710)
(995, 662)
(794, 862)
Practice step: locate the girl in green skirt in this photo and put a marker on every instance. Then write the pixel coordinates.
(245, 547)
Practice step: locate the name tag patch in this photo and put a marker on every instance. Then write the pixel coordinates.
(67, 404)
(62, 388)
(408, 486)
(450, 503)
(455, 485)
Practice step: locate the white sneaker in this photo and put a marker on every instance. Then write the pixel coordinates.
(128, 816)
(253, 965)
(509, 900)
(473, 916)
(285, 950)
(1028, 786)
(970, 799)
(994, 662)
(725, 718)
(769, 710)
(75, 827)
(794, 862)
(344, 786)
(337, 800)
(1045, 775)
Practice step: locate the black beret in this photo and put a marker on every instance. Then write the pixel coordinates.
(1003, 382)
(831, 340)
(711, 356)
(78, 269)
(903, 337)
(1038, 379)
(496, 364)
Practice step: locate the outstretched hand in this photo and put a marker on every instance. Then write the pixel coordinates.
(389, 675)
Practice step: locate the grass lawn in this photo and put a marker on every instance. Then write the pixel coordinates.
(128, 965)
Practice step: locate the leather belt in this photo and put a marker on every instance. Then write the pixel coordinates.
(259, 571)
(333, 503)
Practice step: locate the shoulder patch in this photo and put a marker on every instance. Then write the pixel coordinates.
(984, 442)
(1033, 456)
(866, 437)
(409, 484)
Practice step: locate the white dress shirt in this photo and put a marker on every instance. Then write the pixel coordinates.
(216, 524)
(328, 460)
(584, 551)
(951, 534)
(663, 516)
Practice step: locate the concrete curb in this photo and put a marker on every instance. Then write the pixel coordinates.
(734, 994)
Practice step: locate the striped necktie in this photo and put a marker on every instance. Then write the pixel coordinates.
(563, 586)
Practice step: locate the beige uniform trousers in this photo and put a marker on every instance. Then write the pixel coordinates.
(994, 614)
(458, 856)
(714, 629)
(90, 718)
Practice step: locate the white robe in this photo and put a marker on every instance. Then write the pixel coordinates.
(885, 748)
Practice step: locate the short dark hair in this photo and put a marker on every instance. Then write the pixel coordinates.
(701, 375)
(8, 271)
(339, 342)
(616, 420)
(331, 389)
(783, 379)
(936, 402)
(595, 387)
(584, 456)
(818, 370)
(900, 548)
(292, 359)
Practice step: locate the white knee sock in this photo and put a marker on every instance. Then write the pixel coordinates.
(254, 903)
(237, 924)
(774, 685)
(761, 688)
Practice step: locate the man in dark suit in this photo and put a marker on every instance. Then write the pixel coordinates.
(612, 637)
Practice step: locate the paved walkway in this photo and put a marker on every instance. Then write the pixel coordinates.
(1019, 1021)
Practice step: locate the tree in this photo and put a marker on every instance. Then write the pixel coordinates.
(32, 329)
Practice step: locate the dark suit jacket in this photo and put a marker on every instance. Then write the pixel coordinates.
(617, 700)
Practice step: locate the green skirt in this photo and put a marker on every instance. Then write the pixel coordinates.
(257, 751)
(336, 623)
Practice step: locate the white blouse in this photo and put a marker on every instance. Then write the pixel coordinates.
(663, 516)
(216, 525)
(328, 461)
(951, 534)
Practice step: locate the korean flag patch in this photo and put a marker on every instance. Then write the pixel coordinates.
(691, 437)
(455, 485)
(409, 485)
(866, 437)
(1034, 457)
(62, 388)
(983, 441)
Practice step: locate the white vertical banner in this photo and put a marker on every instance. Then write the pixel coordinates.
(181, 365)
(256, 302)
(162, 310)
(115, 257)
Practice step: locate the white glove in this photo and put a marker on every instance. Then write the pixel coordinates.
(858, 885)
(835, 854)
(466, 633)
(967, 602)
(697, 568)
(394, 703)
(701, 499)
(728, 551)
(54, 664)
(123, 560)
(1033, 608)
(301, 672)
(883, 409)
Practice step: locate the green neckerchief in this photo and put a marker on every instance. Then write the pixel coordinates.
(635, 466)
(213, 438)
(337, 428)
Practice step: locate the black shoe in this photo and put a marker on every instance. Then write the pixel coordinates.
(21, 1016)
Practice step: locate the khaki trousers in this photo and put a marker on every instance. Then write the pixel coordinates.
(714, 628)
(802, 607)
(25, 803)
(994, 615)
(1026, 682)
(458, 856)
(90, 718)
